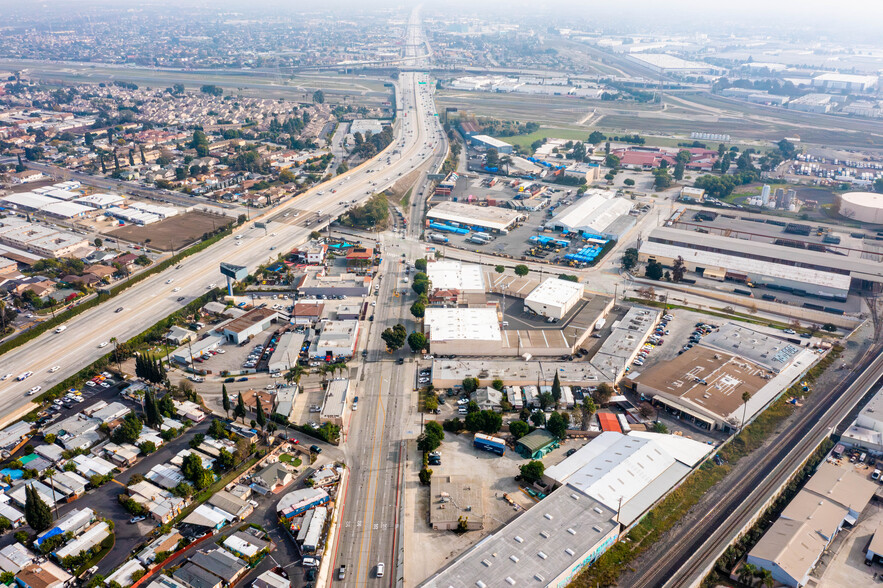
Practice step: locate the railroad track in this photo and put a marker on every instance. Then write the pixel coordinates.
(689, 554)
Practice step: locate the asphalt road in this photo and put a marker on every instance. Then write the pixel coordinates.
(418, 138)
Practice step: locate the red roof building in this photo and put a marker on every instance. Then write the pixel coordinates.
(609, 422)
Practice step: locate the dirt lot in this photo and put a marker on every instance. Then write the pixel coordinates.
(172, 233)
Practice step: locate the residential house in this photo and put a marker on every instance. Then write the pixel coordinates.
(43, 575)
(164, 543)
(274, 477)
(222, 564)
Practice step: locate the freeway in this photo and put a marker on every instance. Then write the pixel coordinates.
(690, 553)
(418, 138)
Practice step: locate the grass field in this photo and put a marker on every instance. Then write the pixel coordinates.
(550, 133)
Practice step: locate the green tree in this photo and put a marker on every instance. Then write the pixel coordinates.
(225, 400)
(147, 447)
(239, 412)
(596, 137)
(521, 270)
(556, 388)
(225, 460)
(470, 385)
(151, 411)
(678, 269)
(217, 430)
(629, 258)
(519, 429)
(538, 418)
(629, 182)
(532, 471)
(680, 168)
(430, 403)
(394, 337)
(420, 284)
(654, 270)
(319, 97)
(128, 431)
(420, 265)
(499, 269)
(587, 409)
(432, 436)
(878, 185)
(497, 384)
(418, 309)
(492, 158)
(259, 411)
(611, 161)
(425, 476)
(416, 341)
(37, 513)
(602, 394)
(557, 425)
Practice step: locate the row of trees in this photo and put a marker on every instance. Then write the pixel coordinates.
(396, 336)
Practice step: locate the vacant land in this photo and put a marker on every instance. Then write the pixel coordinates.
(172, 233)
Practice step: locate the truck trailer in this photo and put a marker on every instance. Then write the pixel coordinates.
(488, 443)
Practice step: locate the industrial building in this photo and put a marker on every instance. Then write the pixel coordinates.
(647, 466)
(464, 278)
(463, 331)
(41, 240)
(791, 548)
(665, 63)
(598, 212)
(337, 339)
(554, 298)
(865, 207)
(100, 201)
(252, 323)
(287, 352)
(864, 274)
(547, 546)
(705, 384)
(720, 266)
(456, 498)
(468, 216)
(847, 82)
(334, 407)
(488, 142)
(866, 432)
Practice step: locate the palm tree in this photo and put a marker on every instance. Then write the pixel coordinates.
(747, 573)
(294, 374)
(50, 472)
(506, 160)
(116, 352)
(766, 578)
(746, 396)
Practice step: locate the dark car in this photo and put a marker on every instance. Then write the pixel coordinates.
(570, 452)
(180, 298)
(400, 360)
(242, 380)
(228, 380)
(315, 449)
(364, 353)
(120, 309)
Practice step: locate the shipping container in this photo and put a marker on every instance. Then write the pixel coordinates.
(488, 443)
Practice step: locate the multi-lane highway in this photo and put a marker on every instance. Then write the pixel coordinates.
(418, 138)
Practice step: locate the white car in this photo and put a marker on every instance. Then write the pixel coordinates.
(176, 289)
(25, 376)
(5, 377)
(54, 369)
(170, 280)
(60, 329)
(102, 344)
(34, 390)
(90, 383)
(380, 570)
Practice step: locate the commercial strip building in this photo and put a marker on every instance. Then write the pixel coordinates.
(598, 212)
(468, 216)
(338, 339)
(864, 274)
(835, 495)
(287, 352)
(705, 384)
(866, 432)
(41, 240)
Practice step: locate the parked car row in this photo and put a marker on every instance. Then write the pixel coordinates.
(697, 334)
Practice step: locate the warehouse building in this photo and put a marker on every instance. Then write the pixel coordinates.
(866, 432)
(792, 547)
(337, 339)
(249, 324)
(720, 266)
(100, 201)
(456, 498)
(334, 407)
(805, 266)
(847, 82)
(665, 63)
(287, 352)
(705, 384)
(488, 142)
(646, 468)
(546, 546)
(469, 216)
(598, 212)
(463, 331)
(465, 278)
(41, 240)
(554, 298)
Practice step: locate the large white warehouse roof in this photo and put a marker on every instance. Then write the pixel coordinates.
(594, 212)
(467, 324)
(491, 217)
(555, 292)
(454, 275)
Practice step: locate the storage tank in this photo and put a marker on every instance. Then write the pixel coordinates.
(866, 207)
